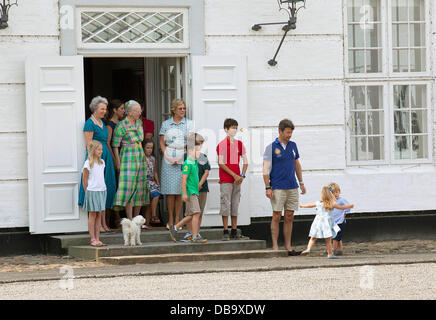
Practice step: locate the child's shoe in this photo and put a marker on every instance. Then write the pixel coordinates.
(332, 257)
(198, 239)
(187, 237)
(305, 252)
(226, 235)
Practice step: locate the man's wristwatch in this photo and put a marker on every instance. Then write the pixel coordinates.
(268, 188)
(301, 182)
(243, 175)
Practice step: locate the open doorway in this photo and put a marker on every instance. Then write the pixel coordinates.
(153, 82)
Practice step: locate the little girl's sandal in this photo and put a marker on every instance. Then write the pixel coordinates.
(101, 244)
(94, 243)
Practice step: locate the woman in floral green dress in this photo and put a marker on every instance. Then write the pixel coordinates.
(132, 190)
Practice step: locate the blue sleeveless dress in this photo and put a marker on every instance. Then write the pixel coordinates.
(101, 135)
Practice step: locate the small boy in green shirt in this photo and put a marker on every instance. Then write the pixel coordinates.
(190, 190)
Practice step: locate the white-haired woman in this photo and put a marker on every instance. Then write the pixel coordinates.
(132, 190)
(95, 129)
(173, 141)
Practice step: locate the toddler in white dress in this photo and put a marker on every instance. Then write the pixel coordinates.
(323, 226)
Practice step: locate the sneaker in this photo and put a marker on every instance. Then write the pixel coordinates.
(173, 233)
(226, 236)
(305, 252)
(187, 237)
(332, 257)
(239, 236)
(198, 239)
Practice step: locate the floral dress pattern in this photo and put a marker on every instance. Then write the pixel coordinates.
(132, 185)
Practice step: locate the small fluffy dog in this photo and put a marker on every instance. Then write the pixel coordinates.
(132, 230)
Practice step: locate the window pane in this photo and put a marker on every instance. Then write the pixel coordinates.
(376, 148)
(416, 10)
(373, 61)
(375, 10)
(402, 122)
(358, 123)
(417, 35)
(400, 60)
(419, 96)
(356, 61)
(373, 36)
(402, 147)
(419, 121)
(374, 98)
(355, 36)
(401, 96)
(375, 122)
(400, 35)
(419, 147)
(417, 60)
(358, 149)
(399, 10)
(354, 10)
(357, 97)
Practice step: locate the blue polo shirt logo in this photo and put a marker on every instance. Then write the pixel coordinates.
(282, 175)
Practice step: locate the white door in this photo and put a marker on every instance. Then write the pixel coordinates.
(55, 143)
(219, 91)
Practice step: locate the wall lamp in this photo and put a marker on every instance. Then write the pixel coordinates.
(291, 7)
(4, 11)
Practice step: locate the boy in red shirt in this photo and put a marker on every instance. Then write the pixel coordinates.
(229, 153)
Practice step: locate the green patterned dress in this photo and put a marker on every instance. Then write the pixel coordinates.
(132, 184)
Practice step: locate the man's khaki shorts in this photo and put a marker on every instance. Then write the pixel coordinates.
(287, 199)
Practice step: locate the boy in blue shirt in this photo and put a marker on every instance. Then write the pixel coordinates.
(339, 218)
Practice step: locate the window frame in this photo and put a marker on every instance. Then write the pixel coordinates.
(428, 44)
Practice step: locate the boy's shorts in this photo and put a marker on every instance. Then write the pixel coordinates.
(230, 197)
(154, 194)
(340, 233)
(287, 199)
(192, 206)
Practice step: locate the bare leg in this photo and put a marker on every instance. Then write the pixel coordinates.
(91, 224)
(195, 224)
(275, 223)
(170, 206)
(287, 229)
(340, 248)
(335, 244)
(328, 243)
(185, 220)
(178, 206)
(234, 220)
(98, 225)
(154, 203)
(129, 209)
(225, 222)
(148, 215)
(311, 243)
(136, 211)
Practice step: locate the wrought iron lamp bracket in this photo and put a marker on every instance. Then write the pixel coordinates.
(4, 12)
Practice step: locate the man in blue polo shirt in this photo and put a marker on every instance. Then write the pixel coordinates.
(280, 165)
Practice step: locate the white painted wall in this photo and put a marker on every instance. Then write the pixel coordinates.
(306, 86)
(33, 29)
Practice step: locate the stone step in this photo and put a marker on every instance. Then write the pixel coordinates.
(160, 235)
(189, 257)
(168, 247)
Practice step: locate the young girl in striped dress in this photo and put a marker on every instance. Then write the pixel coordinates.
(323, 226)
(95, 190)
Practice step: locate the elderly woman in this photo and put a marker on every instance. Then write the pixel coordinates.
(132, 188)
(173, 141)
(95, 129)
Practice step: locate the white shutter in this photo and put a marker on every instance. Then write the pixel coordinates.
(219, 91)
(56, 149)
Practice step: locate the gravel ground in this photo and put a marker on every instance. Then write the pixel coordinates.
(45, 262)
(415, 281)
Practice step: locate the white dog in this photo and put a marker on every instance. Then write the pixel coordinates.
(132, 230)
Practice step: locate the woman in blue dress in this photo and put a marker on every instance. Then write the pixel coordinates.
(173, 140)
(95, 129)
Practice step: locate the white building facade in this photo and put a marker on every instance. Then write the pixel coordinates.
(356, 77)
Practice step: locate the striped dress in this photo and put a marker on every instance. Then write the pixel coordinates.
(132, 185)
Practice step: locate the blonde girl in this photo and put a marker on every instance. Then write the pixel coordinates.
(95, 190)
(323, 226)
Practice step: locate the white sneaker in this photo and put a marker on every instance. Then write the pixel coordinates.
(305, 252)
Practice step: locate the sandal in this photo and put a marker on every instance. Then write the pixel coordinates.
(95, 243)
(155, 220)
(101, 244)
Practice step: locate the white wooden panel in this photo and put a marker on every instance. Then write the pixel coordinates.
(34, 18)
(219, 91)
(13, 160)
(299, 58)
(14, 51)
(13, 208)
(55, 117)
(304, 103)
(12, 108)
(229, 17)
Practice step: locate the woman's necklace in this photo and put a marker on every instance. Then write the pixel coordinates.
(99, 123)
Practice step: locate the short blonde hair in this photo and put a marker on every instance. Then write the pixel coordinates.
(335, 187)
(175, 103)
